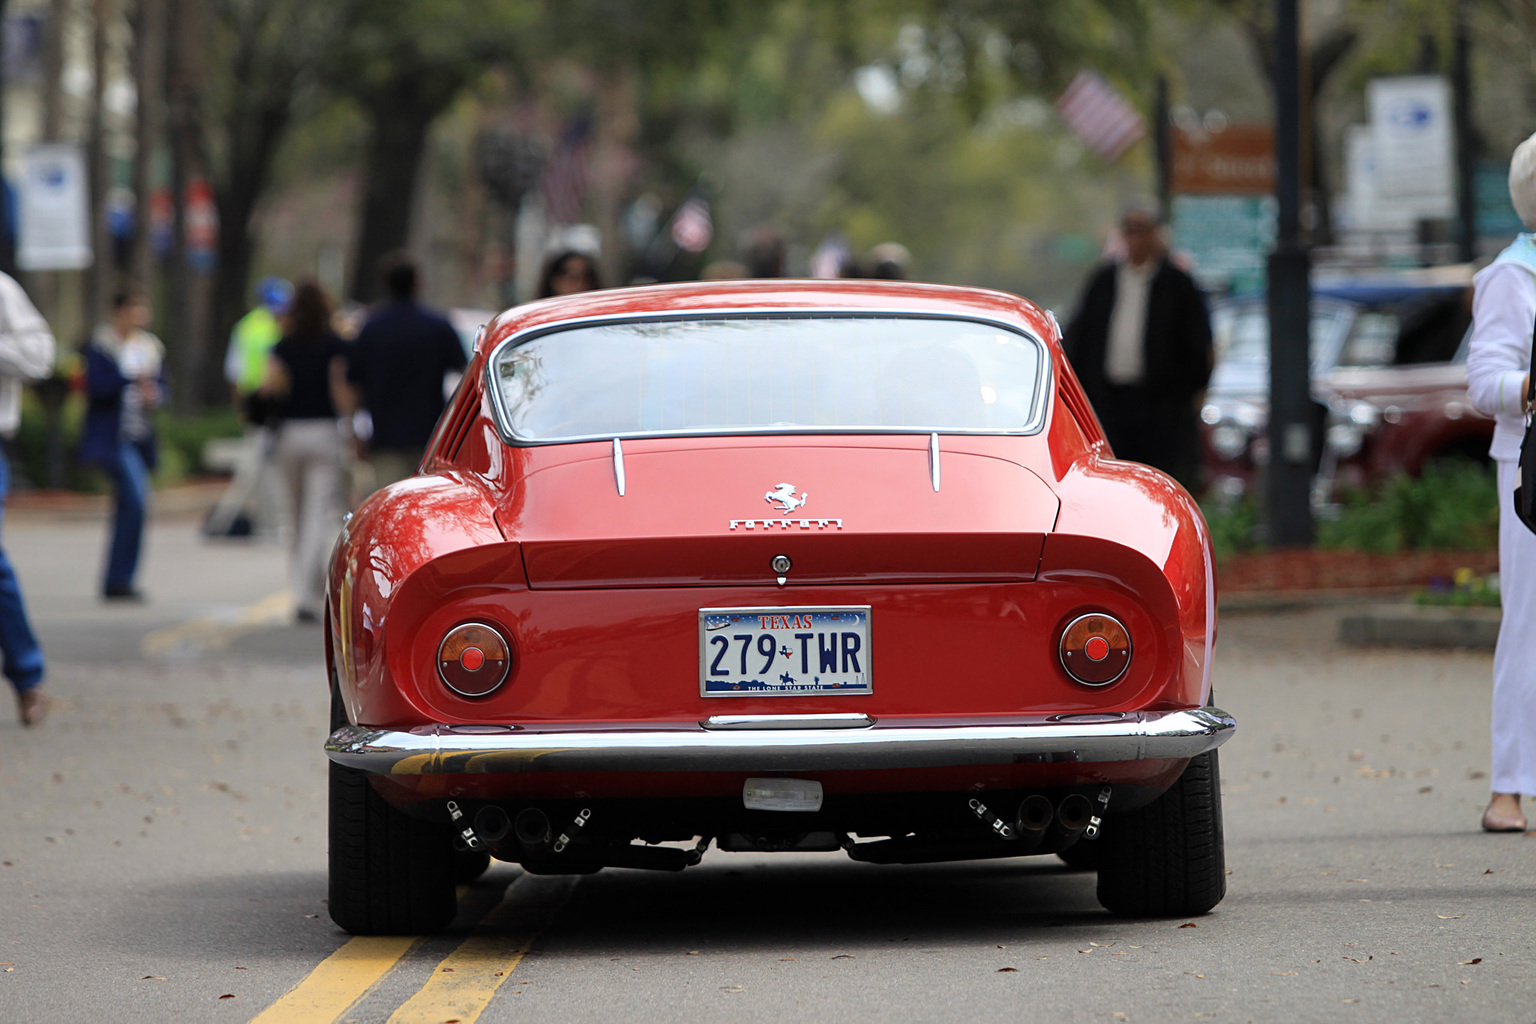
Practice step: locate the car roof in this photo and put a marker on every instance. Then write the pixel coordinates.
(775, 295)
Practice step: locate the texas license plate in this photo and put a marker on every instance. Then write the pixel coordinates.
(783, 652)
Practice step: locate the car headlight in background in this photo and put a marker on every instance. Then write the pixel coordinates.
(474, 659)
(1350, 423)
(1228, 440)
(1095, 649)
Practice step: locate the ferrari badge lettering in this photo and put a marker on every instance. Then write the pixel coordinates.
(785, 524)
(785, 497)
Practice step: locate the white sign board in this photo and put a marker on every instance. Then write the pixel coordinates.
(1362, 207)
(1413, 146)
(53, 210)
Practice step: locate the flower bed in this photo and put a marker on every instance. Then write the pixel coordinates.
(1344, 570)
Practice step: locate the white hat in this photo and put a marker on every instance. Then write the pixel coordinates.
(1522, 181)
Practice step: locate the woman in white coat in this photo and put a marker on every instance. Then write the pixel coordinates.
(1498, 380)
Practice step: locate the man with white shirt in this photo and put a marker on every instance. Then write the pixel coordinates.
(1141, 345)
(26, 354)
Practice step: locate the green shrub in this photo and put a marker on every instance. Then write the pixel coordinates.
(1233, 525)
(1451, 506)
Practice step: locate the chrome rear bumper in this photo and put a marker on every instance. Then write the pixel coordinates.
(487, 749)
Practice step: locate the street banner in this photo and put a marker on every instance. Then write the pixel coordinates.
(53, 210)
(1413, 145)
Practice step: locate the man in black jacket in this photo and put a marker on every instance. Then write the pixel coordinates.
(1141, 345)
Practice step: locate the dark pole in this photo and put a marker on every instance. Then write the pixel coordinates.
(1291, 420)
(1461, 86)
(1162, 145)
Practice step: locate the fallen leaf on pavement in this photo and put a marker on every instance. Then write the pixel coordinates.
(1449, 917)
(1193, 974)
(151, 977)
(842, 956)
(732, 988)
(693, 952)
(227, 995)
(1189, 924)
(1469, 963)
(1349, 1000)
(1006, 970)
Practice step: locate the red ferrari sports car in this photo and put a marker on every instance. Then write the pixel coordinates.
(774, 565)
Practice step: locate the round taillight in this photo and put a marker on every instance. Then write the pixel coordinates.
(1095, 649)
(473, 659)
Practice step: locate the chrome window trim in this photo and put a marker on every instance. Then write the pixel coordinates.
(1044, 381)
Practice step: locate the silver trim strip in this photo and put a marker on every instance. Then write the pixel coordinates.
(447, 749)
(1037, 420)
(933, 461)
(838, 721)
(618, 465)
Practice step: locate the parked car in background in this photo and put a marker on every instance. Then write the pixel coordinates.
(774, 566)
(1388, 378)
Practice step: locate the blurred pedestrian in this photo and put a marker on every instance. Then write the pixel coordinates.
(306, 382)
(248, 500)
(1498, 382)
(568, 273)
(404, 363)
(765, 253)
(890, 261)
(1140, 342)
(26, 354)
(124, 383)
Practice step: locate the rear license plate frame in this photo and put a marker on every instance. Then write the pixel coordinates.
(796, 619)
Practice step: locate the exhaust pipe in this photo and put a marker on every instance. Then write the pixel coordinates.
(492, 824)
(1033, 819)
(1072, 816)
(532, 829)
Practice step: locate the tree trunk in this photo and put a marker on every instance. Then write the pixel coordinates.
(148, 61)
(399, 141)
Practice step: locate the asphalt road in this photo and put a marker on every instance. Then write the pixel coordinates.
(162, 856)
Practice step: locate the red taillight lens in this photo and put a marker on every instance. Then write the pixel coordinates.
(1095, 649)
(474, 659)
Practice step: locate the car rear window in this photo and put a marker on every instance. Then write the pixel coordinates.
(792, 374)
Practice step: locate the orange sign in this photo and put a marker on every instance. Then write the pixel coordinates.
(1238, 160)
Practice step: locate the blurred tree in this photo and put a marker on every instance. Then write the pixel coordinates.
(403, 62)
(263, 74)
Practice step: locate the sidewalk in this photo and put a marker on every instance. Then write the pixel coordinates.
(195, 498)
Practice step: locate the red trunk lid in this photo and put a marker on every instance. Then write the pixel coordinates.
(715, 512)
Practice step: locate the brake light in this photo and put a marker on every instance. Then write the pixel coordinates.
(474, 659)
(1095, 649)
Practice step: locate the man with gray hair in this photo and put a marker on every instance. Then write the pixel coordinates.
(1140, 342)
(1498, 382)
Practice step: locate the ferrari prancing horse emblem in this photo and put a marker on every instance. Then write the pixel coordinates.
(784, 495)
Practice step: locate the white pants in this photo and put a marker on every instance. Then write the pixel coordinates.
(1514, 667)
(311, 455)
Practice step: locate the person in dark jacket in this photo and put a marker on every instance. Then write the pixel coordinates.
(124, 384)
(1140, 342)
(405, 361)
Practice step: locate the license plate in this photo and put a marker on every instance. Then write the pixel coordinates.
(783, 652)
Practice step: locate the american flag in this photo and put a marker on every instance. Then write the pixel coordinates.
(1100, 116)
(692, 229)
(565, 175)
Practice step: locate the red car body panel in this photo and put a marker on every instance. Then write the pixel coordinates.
(970, 585)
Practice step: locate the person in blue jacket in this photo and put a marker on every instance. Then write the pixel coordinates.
(124, 383)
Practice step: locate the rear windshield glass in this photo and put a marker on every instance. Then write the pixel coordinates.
(793, 374)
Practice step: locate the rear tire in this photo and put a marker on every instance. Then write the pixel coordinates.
(390, 873)
(469, 865)
(1167, 859)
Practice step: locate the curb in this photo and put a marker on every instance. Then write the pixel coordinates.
(1407, 625)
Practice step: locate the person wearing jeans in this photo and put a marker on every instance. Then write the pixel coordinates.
(124, 381)
(26, 353)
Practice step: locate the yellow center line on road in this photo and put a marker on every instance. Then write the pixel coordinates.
(466, 980)
(341, 980)
(211, 633)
